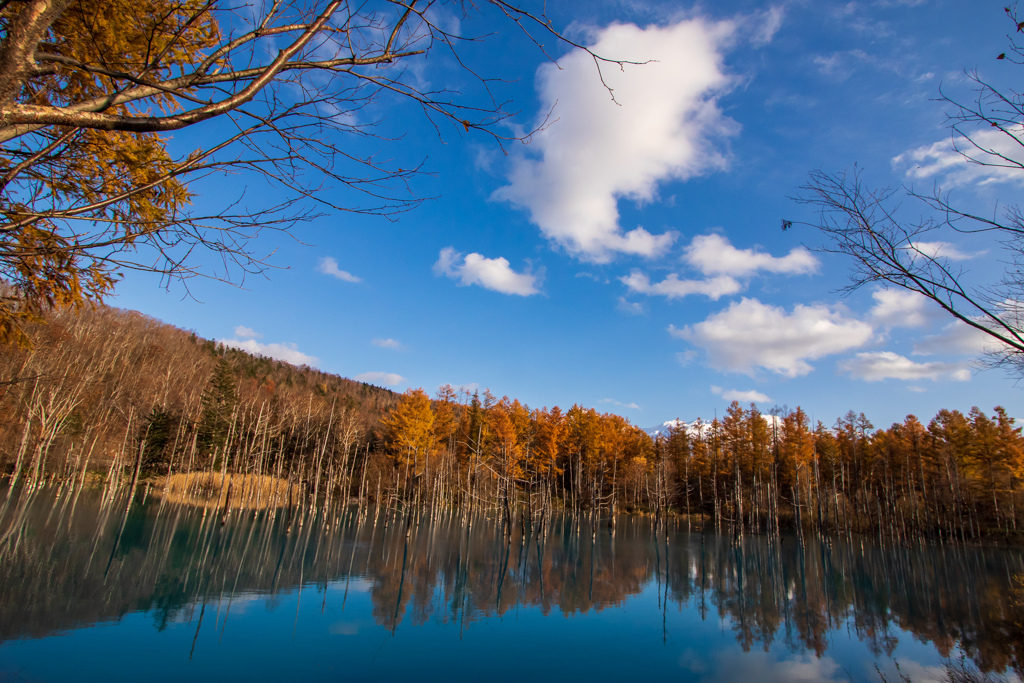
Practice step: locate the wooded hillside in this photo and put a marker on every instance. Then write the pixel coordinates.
(115, 397)
(104, 389)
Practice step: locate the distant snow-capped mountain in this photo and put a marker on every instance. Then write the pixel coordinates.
(664, 428)
(705, 427)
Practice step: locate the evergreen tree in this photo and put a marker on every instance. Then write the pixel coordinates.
(157, 433)
(218, 404)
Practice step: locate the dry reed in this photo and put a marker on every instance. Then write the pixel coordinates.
(243, 491)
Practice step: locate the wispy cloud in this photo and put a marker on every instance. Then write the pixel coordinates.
(386, 379)
(750, 396)
(956, 162)
(663, 124)
(943, 250)
(620, 404)
(839, 66)
(749, 335)
(764, 25)
(686, 357)
(490, 273)
(956, 338)
(715, 255)
(592, 276)
(329, 266)
(630, 307)
(875, 366)
(388, 344)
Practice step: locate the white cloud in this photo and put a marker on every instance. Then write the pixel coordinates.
(387, 379)
(750, 335)
(998, 151)
(672, 287)
(715, 255)
(287, 352)
(663, 124)
(903, 308)
(750, 396)
(388, 344)
(942, 250)
(489, 273)
(878, 365)
(329, 266)
(243, 332)
(620, 404)
(956, 337)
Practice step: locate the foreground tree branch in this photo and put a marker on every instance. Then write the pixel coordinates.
(869, 226)
(88, 80)
(864, 225)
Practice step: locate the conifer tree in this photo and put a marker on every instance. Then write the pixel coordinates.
(157, 432)
(218, 405)
(410, 426)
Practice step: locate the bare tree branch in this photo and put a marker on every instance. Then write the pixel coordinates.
(869, 227)
(288, 79)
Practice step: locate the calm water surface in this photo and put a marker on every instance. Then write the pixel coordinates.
(166, 593)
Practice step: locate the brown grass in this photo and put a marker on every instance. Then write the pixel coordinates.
(205, 489)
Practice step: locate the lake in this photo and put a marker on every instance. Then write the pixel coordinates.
(166, 592)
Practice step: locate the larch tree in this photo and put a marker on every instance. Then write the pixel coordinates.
(548, 444)
(508, 448)
(410, 432)
(951, 432)
(445, 430)
(797, 454)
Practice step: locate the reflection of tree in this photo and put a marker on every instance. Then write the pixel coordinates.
(57, 572)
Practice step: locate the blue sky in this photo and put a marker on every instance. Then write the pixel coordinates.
(630, 257)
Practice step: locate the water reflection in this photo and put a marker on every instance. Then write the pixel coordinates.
(75, 562)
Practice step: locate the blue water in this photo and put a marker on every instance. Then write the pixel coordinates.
(166, 594)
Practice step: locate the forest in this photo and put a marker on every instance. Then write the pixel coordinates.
(114, 399)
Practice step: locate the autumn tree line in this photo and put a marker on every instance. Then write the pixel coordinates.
(115, 399)
(958, 477)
